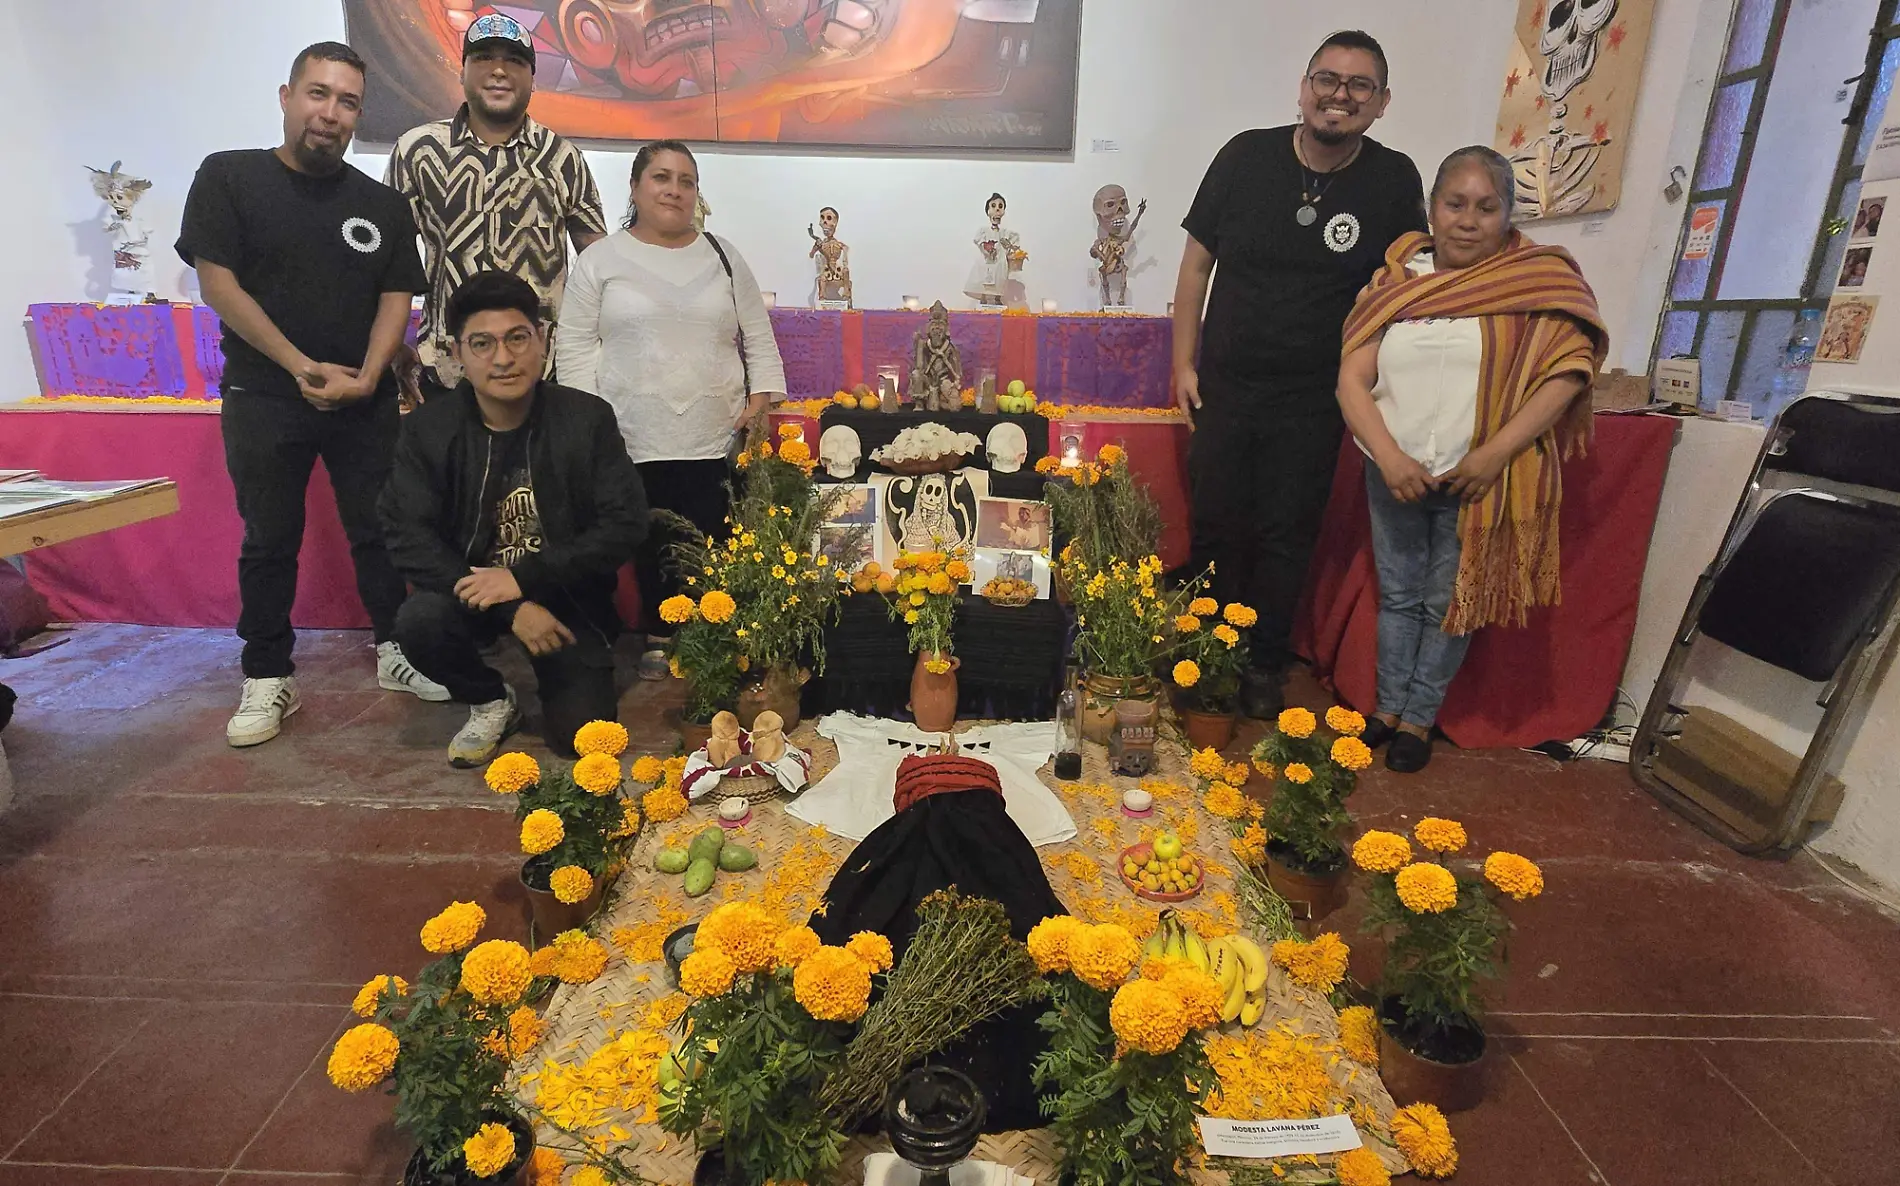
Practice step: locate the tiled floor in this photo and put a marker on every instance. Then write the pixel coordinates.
(182, 924)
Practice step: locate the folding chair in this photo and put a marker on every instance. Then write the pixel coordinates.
(1807, 580)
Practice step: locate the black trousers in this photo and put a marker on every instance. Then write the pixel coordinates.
(1258, 477)
(694, 489)
(271, 443)
(443, 639)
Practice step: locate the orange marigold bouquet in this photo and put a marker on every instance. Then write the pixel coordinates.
(1441, 928)
(1125, 1070)
(445, 1043)
(924, 597)
(1212, 652)
(1312, 774)
(576, 821)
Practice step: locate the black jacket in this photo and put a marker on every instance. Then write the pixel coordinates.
(593, 508)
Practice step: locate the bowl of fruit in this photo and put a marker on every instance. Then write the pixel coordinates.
(1162, 871)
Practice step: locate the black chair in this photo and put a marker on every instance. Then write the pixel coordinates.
(1807, 580)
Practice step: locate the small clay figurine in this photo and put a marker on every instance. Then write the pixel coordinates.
(723, 746)
(131, 238)
(1000, 255)
(768, 737)
(1114, 235)
(1131, 744)
(834, 262)
(936, 369)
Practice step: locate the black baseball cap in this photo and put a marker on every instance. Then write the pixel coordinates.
(497, 28)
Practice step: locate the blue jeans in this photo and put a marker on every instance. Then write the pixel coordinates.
(1415, 550)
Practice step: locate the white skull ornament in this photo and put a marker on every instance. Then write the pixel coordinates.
(1007, 447)
(1569, 44)
(840, 449)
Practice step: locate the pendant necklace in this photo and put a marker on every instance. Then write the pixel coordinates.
(1311, 191)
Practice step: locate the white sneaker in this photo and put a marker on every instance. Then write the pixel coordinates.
(394, 674)
(261, 710)
(488, 726)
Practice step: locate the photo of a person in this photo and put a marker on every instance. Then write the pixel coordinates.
(856, 507)
(848, 548)
(1854, 267)
(1016, 566)
(1011, 523)
(1867, 217)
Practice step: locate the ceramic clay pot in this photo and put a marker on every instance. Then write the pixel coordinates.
(1207, 730)
(1100, 695)
(693, 736)
(1312, 896)
(1413, 1078)
(933, 696)
(778, 691)
(548, 914)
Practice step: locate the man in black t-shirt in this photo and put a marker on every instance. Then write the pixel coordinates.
(512, 506)
(311, 265)
(1298, 219)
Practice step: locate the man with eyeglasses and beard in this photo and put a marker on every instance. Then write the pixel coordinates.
(1298, 218)
(492, 190)
(511, 509)
(311, 266)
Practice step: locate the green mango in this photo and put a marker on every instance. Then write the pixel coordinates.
(706, 845)
(671, 860)
(699, 877)
(737, 858)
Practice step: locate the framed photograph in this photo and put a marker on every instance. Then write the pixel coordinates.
(857, 506)
(1854, 267)
(849, 548)
(1013, 523)
(989, 563)
(1867, 218)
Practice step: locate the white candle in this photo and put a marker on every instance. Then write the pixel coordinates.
(1048, 305)
(913, 303)
(733, 808)
(771, 298)
(1137, 800)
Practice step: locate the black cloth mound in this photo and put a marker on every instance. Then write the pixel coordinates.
(963, 839)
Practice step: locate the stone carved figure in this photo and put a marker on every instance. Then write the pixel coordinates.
(936, 369)
(834, 261)
(1114, 237)
(131, 238)
(1551, 169)
(1000, 255)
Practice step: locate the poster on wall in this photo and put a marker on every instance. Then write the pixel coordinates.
(1569, 95)
(937, 74)
(1844, 333)
(1701, 239)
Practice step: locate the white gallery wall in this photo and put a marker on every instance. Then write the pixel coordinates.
(160, 86)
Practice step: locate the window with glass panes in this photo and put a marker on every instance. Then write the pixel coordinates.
(1780, 162)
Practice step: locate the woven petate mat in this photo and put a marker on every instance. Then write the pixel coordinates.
(796, 862)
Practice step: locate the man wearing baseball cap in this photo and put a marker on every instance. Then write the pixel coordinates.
(492, 190)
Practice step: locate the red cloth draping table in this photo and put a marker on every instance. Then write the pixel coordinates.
(1550, 680)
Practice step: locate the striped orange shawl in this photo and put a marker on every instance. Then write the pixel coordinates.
(1539, 320)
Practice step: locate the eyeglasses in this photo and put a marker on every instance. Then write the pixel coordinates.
(483, 345)
(1326, 84)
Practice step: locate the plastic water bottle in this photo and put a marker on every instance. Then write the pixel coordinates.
(1791, 377)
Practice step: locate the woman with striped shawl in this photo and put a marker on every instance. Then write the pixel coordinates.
(1463, 369)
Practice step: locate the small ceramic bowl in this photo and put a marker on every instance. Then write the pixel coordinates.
(677, 947)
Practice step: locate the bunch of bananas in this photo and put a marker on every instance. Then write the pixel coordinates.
(1234, 960)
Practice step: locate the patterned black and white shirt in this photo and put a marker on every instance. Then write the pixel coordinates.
(500, 207)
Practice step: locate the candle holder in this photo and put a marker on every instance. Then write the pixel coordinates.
(934, 1116)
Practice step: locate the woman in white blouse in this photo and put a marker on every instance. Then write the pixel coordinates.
(667, 324)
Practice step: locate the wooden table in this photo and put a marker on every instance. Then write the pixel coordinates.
(56, 525)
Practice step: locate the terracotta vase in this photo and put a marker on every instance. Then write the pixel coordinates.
(933, 696)
(1207, 730)
(1100, 695)
(778, 691)
(1312, 896)
(1413, 1078)
(693, 736)
(548, 914)
(418, 1173)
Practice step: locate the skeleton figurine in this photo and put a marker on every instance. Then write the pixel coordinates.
(1114, 235)
(1551, 170)
(936, 369)
(131, 238)
(834, 261)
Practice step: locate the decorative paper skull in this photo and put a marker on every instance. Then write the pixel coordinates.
(1007, 447)
(840, 450)
(1111, 211)
(1569, 45)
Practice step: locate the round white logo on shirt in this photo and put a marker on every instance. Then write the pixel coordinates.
(1342, 232)
(362, 234)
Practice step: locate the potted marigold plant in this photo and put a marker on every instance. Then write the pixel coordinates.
(575, 825)
(1125, 1069)
(1306, 819)
(924, 596)
(1100, 508)
(444, 1044)
(1442, 929)
(1125, 618)
(1208, 663)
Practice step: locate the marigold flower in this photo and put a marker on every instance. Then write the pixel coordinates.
(1381, 852)
(959, 571)
(678, 609)
(1422, 1135)
(1227, 634)
(597, 774)
(578, 957)
(489, 1151)
(1187, 623)
(602, 737)
(707, 973)
(1426, 888)
(788, 431)
(794, 944)
(1049, 942)
(1187, 673)
(524, 1033)
(1240, 615)
(717, 607)
(1203, 606)
(795, 451)
(545, 1168)
(873, 948)
(454, 928)
(1224, 801)
(370, 994)
(1515, 875)
(1251, 845)
(1048, 464)
(1200, 995)
(1237, 774)
(1361, 1167)
(1350, 753)
(1359, 1035)
(745, 931)
(1266, 769)
(508, 774)
(1299, 773)
(1111, 455)
(1101, 956)
(541, 830)
(629, 821)
(1148, 1017)
(663, 804)
(1296, 722)
(571, 884)
(940, 583)
(1319, 965)
(497, 972)
(363, 1057)
(832, 984)
(1207, 764)
(1440, 835)
(1341, 719)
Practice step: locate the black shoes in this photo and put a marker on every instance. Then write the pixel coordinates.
(1408, 753)
(1377, 733)
(1262, 693)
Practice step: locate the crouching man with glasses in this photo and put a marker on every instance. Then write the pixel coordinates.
(512, 506)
